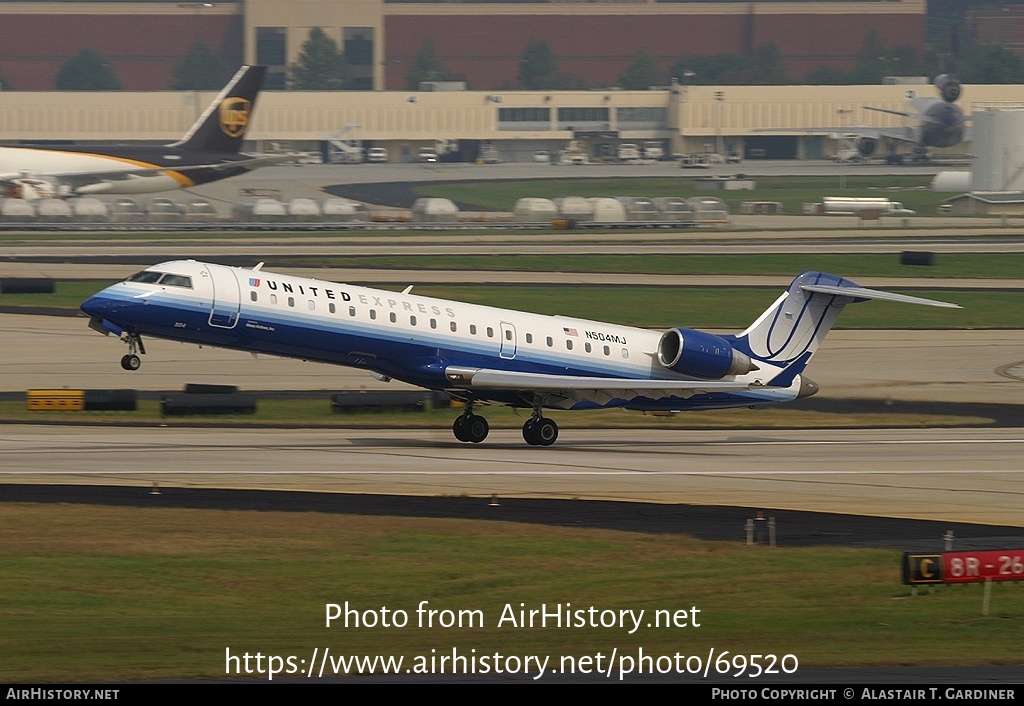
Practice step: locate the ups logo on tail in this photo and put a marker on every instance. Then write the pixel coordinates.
(234, 116)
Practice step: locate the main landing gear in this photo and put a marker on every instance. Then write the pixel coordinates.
(470, 427)
(540, 431)
(132, 361)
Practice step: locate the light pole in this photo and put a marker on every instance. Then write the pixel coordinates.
(719, 97)
(843, 113)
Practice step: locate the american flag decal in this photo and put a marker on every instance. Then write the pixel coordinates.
(253, 282)
(570, 331)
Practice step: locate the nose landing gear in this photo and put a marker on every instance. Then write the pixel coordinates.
(132, 361)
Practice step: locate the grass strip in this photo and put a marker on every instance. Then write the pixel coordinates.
(90, 593)
(912, 191)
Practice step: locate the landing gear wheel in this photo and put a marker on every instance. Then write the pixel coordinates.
(459, 429)
(131, 362)
(540, 432)
(476, 428)
(470, 428)
(528, 431)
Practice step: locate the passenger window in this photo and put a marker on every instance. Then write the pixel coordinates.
(433, 323)
(291, 301)
(452, 326)
(625, 352)
(551, 342)
(394, 317)
(490, 332)
(508, 334)
(373, 314)
(311, 304)
(331, 308)
(568, 344)
(273, 299)
(529, 338)
(351, 311)
(607, 350)
(253, 296)
(472, 329)
(412, 320)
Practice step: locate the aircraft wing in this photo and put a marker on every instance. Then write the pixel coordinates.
(901, 134)
(247, 164)
(100, 181)
(920, 117)
(576, 388)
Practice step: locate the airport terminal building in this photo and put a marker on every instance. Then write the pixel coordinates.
(483, 42)
(516, 123)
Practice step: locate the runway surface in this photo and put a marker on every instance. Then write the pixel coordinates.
(961, 475)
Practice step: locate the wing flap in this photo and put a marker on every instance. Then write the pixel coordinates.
(483, 378)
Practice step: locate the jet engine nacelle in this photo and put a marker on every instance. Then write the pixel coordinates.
(33, 188)
(702, 355)
(866, 145)
(948, 86)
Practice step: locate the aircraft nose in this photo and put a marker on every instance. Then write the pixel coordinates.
(95, 307)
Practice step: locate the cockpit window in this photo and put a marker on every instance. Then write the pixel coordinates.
(146, 277)
(177, 281)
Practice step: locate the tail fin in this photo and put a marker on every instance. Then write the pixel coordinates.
(222, 126)
(786, 335)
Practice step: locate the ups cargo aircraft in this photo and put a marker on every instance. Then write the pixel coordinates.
(481, 354)
(209, 151)
(940, 122)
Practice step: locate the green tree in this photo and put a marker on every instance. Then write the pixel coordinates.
(991, 64)
(709, 70)
(766, 66)
(538, 69)
(643, 73)
(86, 71)
(199, 69)
(427, 66)
(320, 67)
(826, 76)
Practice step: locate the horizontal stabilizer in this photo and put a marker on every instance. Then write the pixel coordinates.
(864, 293)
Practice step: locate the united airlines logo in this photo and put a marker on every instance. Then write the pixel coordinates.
(234, 116)
(253, 282)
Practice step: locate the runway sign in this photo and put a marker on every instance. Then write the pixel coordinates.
(963, 567)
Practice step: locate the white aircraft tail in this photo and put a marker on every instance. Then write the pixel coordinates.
(786, 335)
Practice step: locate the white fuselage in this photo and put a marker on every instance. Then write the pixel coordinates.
(400, 335)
